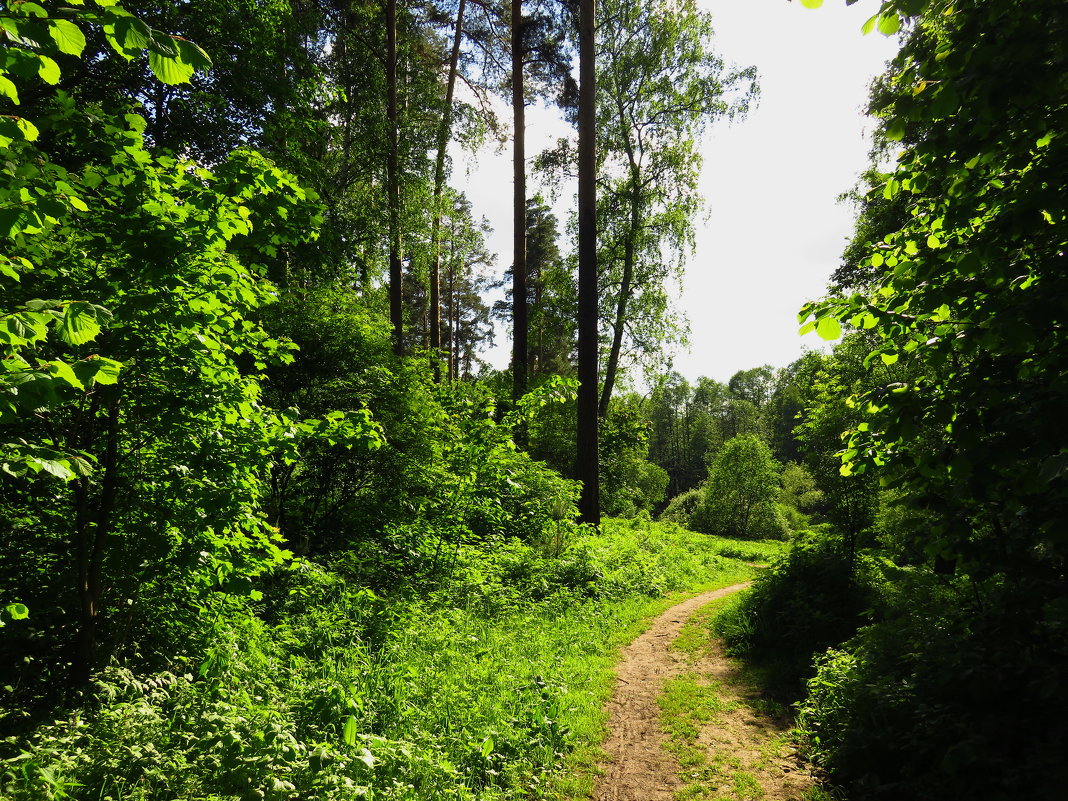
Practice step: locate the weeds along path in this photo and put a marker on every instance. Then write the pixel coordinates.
(723, 742)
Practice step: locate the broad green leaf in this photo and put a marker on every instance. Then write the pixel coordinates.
(829, 328)
(136, 122)
(192, 54)
(17, 611)
(52, 467)
(63, 372)
(98, 370)
(933, 242)
(942, 313)
(170, 70)
(889, 23)
(132, 33)
(29, 130)
(889, 358)
(67, 36)
(37, 304)
(812, 3)
(8, 89)
(869, 26)
(487, 744)
(79, 324)
(34, 9)
(162, 44)
(348, 733)
(48, 69)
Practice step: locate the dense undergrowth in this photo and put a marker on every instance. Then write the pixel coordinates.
(906, 679)
(481, 681)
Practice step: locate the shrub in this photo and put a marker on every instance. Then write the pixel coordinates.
(680, 509)
(945, 700)
(738, 498)
(812, 598)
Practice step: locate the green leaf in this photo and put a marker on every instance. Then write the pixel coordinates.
(162, 44)
(812, 3)
(48, 69)
(869, 26)
(67, 36)
(896, 130)
(889, 23)
(131, 33)
(829, 328)
(108, 372)
(17, 611)
(8, 89)
(52, 467)
(63, 372)
(889, 358)
(192, 54)
(170, 70)
(487, 744)
(79, 324)
(348, 733)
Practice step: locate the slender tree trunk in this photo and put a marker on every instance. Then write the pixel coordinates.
(519, 215)
(92, 537)
(586, 467)
(625, 288)
(451, 333)
(452, 313)
(396, 311)
(439, 183)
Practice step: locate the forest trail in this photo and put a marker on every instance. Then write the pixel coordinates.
(736, 748)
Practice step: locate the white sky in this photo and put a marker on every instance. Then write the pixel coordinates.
(774, 230)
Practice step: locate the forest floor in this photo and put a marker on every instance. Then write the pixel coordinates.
(685, 723)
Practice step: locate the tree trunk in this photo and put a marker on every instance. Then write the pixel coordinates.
(396, 312)
(519, 211)
(91, 537)
(586, 463)
(625, 285)
(439, 183)
(451, 371)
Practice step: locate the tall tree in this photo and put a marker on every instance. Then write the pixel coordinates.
(538, 44)
(550, 296)
(659, 86)
(586, 459)
(393, 198)
(519, 209)
(444, 130)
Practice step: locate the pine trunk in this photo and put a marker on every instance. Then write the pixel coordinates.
(519, 216)
(396, 311)
(586, 463)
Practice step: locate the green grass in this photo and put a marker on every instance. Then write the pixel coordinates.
(491, 686)
(692, 701)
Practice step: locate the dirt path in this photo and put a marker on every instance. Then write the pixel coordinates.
(741, 739)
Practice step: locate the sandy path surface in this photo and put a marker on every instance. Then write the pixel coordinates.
(638, 767)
